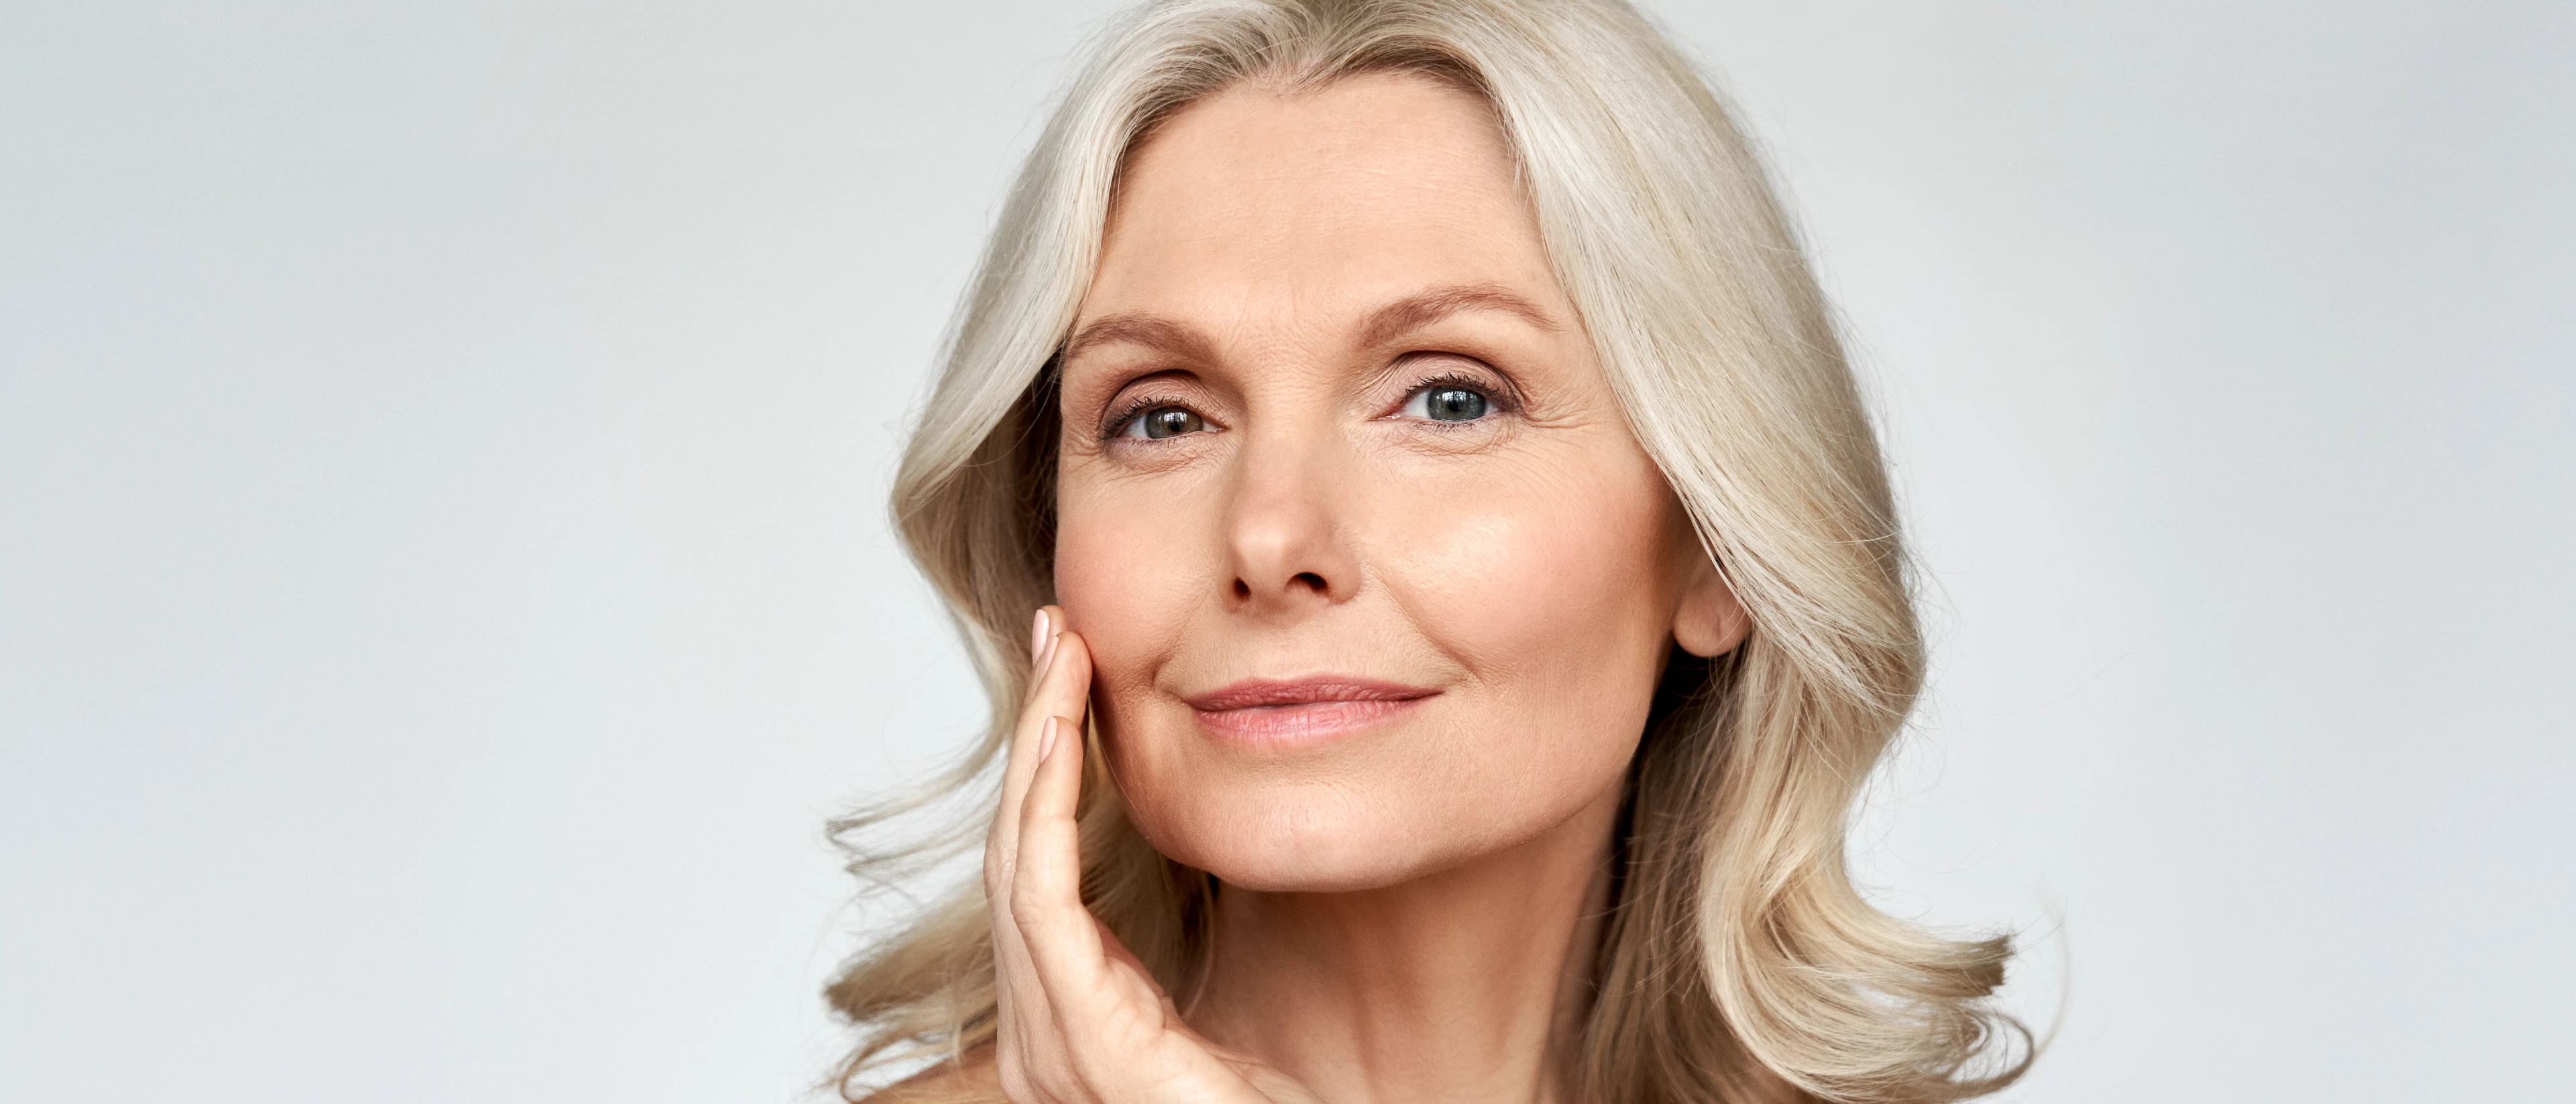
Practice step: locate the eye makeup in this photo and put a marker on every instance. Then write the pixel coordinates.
(1430, 372)
(1124, 416)
(1491, 398)
(1490, 393)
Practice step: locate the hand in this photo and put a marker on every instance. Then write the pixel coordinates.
(1081, 1020)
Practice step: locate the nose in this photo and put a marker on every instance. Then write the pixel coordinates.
(1285, 529)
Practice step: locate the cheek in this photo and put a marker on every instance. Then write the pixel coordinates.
(1099, 575)
(1109, 576)
(1125, 575)
(1550, 589)
(1535, 586)
(1552, 581)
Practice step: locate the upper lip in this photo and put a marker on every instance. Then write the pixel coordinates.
(1256, 693)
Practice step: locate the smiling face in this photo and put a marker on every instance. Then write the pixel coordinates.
(1375, 577)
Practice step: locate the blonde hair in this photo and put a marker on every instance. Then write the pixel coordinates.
(1737, 943)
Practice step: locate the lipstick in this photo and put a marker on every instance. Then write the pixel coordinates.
(1301, 712)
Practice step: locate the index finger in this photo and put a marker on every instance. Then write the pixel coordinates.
(1061, 688)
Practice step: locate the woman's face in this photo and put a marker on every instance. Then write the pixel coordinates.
(1374, 576)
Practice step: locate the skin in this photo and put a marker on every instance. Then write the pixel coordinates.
(1409, 906)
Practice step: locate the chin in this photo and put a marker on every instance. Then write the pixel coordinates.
(1296, 839)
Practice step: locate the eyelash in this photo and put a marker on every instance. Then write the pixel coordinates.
(1116, 426)
(1500, 397)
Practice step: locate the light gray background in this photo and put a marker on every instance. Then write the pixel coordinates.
(444, 583)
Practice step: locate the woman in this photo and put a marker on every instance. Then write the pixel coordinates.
(1466, 596)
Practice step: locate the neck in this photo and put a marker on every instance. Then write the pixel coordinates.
(1471, 983)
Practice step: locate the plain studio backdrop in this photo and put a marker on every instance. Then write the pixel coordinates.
(445, 583)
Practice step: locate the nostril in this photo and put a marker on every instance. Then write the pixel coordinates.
(1242, 589)
(1313, 581)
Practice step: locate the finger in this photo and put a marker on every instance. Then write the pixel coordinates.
(1114, 1026)
(1001, 844)
(1113, 1029)
(1065, 952)
(1046, 887)
(1030, 1044)
(1061, 687)
(1020, 756)
(1073, 954)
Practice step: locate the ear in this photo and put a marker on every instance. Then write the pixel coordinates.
(1709, 622)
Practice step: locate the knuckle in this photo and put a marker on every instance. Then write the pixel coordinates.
(1014, 1076)
(1028, 1081)
(997, 878)
(1027, 905)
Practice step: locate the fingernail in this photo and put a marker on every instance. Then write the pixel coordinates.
(1038, 640)
(1046, 739)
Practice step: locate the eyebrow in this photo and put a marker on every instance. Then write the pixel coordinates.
(1414, 312)
(1139, 328)
(1383, 327)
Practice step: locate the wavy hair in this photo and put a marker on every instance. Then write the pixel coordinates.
(1737, 943)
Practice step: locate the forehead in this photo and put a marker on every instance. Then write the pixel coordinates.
(1252, 202)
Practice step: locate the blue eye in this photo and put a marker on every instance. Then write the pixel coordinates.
(1162, 422)
(1447, 402)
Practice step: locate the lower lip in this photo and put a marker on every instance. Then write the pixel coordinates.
(1299, 725)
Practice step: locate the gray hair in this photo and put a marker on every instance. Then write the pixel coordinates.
(1738, 950)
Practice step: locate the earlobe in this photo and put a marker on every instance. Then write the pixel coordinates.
(1709, 622)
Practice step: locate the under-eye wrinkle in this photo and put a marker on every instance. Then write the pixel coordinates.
(1450, 370)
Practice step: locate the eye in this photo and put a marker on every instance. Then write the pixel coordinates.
(1163, 421)
(1448, 402)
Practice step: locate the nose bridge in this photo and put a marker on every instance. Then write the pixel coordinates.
(1284, 528)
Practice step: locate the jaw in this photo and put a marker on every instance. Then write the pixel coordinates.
(1466, 977)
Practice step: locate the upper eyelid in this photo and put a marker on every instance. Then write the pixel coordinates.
(1439, 362)
(1115, 420)
(1149, 389)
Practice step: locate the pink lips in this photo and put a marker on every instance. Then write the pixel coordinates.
(1305, 711)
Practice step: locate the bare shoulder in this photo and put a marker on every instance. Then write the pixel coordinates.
(972, 1080)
